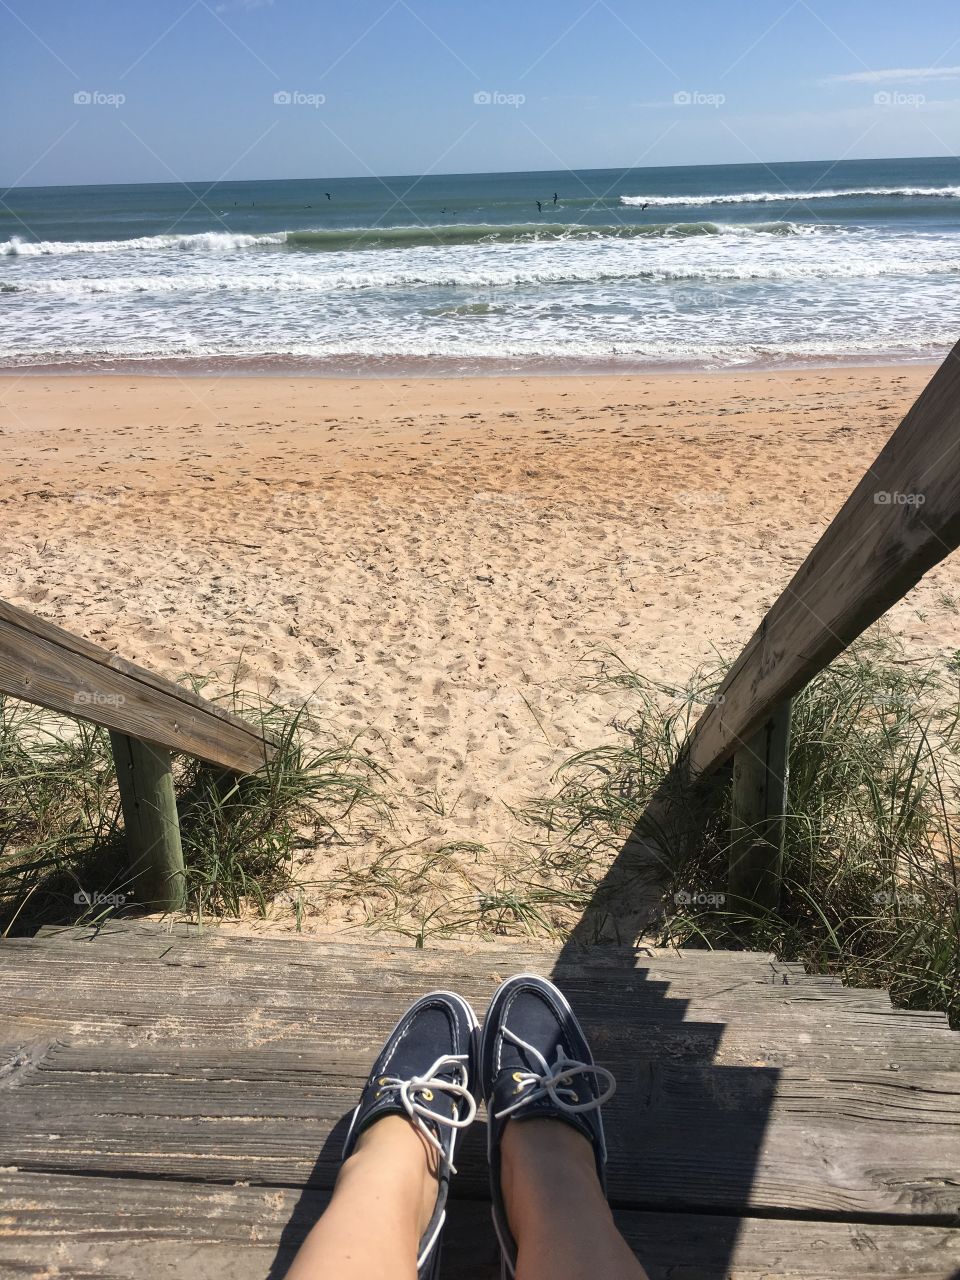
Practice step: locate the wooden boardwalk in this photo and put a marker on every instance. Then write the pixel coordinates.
(172, 1104)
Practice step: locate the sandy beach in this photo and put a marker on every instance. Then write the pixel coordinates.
(438, 562)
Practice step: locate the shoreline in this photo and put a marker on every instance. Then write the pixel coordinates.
(430, 368)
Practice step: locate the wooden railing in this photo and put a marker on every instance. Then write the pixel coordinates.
(901, 520)
(148, 717)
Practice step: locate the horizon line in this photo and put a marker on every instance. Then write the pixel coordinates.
(471, 173)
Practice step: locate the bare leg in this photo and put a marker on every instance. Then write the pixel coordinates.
(558, 1214)
(382, 1202)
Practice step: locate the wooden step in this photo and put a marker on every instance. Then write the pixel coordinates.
(122, 936)
(766, 1122)
(148, 938)
(732, 1138)
(208, 997)
(243, 1069)
(150, 941)
(686, 974)
(102, 1228)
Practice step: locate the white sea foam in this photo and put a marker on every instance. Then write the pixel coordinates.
(494, 267)
(344, 239)
(789, 197)
(726, 294)
(204, 241)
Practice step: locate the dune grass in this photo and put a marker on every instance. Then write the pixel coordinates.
(61, 838)
(871, 886)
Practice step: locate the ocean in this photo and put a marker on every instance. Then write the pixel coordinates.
(715, 266)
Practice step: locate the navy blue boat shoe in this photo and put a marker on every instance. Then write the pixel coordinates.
(426, 1071)
(535, 1063)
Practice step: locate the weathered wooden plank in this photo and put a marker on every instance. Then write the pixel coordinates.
(412, 968)
(364, 953)
(124, 1230)
(359, 943)
(719, 1137)
(133, 982)
(731, 1040)
(126, 937)
(42, 663)
(847, 1044)
(43, 997)
(281, 1060)
(150, 822)
(901, 520)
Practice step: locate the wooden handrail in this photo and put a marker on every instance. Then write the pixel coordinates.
(148, 717)
(901, 520)
(54, 668)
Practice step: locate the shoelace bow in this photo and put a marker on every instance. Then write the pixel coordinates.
(554, 1082)
(425, 1086)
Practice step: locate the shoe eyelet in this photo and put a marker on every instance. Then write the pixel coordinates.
(517, 1076)
(427, 1095)
(382, 1080)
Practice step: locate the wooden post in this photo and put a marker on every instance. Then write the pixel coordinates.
(758, 804)
(150, 821)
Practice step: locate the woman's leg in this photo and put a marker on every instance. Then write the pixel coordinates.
(382, 1202)
(388, 1203)
(558, 1213)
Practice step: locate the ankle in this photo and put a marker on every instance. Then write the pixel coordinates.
(392, 1156)
(546, 1160)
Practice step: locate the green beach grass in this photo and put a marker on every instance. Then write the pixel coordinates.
(871, 883)
(61, 838)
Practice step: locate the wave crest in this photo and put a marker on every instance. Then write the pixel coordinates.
(204, 241)
(789, 197)
(346, 239)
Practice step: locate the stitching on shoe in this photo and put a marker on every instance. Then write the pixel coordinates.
(557, 1010)
(402, 1034)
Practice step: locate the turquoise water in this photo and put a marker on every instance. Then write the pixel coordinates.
(712, 266)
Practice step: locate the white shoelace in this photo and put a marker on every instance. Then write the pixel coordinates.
(425, 1086)
(554, 1082)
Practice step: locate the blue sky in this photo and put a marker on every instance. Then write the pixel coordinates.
(186, 89)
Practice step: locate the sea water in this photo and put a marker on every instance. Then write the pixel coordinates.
(705, 267)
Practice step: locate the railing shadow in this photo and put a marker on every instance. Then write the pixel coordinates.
(686, 1129)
